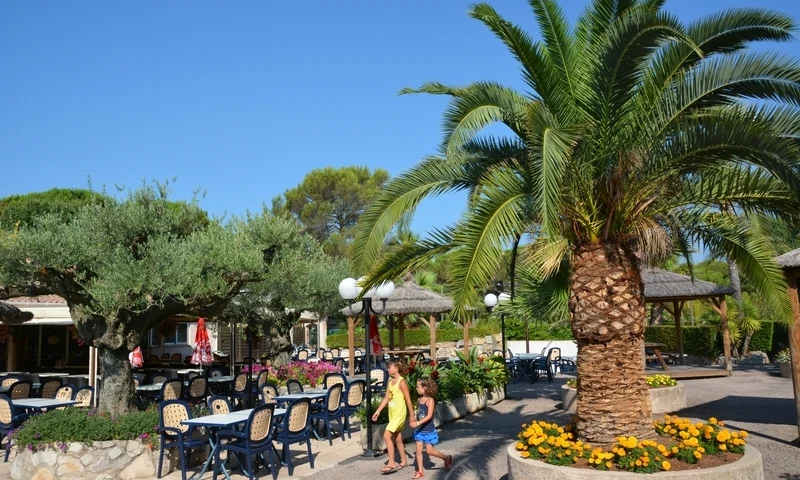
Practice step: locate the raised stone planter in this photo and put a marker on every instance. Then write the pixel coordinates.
(110, 460)
(495, 396)
(473, 402)
(663, 400)
(749, 467)
(377, 436)
(786, 369)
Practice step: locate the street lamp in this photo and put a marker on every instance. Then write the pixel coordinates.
(349, 289)
(491, 300)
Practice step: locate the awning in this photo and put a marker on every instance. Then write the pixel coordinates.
(44, 321)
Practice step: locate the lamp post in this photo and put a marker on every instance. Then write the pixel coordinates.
(349, 289)
(491, 300)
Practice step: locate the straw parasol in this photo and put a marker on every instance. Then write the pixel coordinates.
(409, 298)
(11, 315)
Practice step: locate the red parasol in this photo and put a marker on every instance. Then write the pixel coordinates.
(377, 347)
(201, 355)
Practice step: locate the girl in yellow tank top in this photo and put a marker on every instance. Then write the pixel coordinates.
(399, 401)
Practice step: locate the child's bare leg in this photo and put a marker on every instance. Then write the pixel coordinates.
(419, 460)
(436, 453)
(401, 449)
(387, 437)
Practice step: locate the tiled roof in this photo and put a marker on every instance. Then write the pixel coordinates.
(50, 299)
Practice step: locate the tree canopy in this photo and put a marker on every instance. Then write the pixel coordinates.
(125, 266)
(329, 201)
(64, 202)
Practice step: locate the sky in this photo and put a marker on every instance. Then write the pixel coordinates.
(242, 99)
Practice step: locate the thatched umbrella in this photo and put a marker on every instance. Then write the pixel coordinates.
(408, 298)
(790, 263)
(672, 290)
(11, 315)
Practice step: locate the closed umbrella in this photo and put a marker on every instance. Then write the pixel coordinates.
(377, 346)
(201, 354)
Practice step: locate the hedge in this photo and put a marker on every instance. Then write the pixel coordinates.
(412, 336)
(761, 341)
(698, 341)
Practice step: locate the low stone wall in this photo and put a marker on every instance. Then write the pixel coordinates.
(110, 460)
(663, 399)
(749, 467)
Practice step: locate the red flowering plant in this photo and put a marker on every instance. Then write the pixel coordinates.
(417, 371)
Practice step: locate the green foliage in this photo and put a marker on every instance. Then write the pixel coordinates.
(329, 201)
(419, 336)
(632, 130)
(361, 412)
(58, 427)
(62, 202)
(761, 341)
(699, 341)
(783, 356)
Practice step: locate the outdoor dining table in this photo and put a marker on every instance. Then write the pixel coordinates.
(656, 348)
(53, 375)
(309, 394)
(41, 403)
(220, 421)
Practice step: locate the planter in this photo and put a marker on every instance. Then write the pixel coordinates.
(786, 370)
(483, 400)
(663, 400)
(111, 460)
(473, 402)
(749, 467)
(377, 436)
(450, 411)
(495, 396)
(438, 415)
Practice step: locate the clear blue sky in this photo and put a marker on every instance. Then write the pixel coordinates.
(242, 98)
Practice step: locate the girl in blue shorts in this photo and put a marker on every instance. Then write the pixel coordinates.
(424, 430)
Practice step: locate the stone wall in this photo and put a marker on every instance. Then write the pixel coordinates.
(486, 344)
(110, 460)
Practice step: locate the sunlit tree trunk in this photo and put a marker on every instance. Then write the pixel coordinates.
(608, 319)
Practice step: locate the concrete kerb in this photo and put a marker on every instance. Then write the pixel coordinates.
(749, 467)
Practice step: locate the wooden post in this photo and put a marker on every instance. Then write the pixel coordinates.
(726, 333)
(466, 337)
(432, 328)
(351, 344)
(11, 357)
(401, 331)
(390, 320)
(679, 331)
(794, 339)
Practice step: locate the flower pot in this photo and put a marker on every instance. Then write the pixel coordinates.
(449, 411)
(786, 370)
(438, 415)
(483, 400)
(495, 396)
(473, 403)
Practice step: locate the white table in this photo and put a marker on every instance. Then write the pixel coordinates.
(41, 403)
(187, 371)
(52, 375)
(311, 395)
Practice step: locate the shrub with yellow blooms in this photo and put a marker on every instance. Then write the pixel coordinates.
(550, 443)
(685, 442)
(694, 440)
(657, 381)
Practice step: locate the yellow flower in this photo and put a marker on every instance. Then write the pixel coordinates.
(638, 463)
(608, 464)
(698, 455)
(526, 454)
(621, 452)
(518, 445)
(723, 447)
(665, 465)
(712, 421)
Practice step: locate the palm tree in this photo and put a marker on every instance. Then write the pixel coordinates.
(633, 129)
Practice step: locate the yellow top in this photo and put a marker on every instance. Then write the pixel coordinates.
(397, 406)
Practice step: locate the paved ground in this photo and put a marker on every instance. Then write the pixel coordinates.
(757, 400)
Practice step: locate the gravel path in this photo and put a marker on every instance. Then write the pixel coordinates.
(756, 400)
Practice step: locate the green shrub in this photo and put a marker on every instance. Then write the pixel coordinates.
(361, 412)
(56, 428)
(698, 341)
(761, 341)
(780, 338)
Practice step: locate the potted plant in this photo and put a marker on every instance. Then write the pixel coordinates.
(784, 360)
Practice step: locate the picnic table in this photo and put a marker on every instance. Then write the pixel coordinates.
(656, 349)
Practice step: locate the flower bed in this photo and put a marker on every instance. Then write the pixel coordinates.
(75, 443)
(681, 445)
(304, 372)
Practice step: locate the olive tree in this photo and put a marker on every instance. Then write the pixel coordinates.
(125, 266)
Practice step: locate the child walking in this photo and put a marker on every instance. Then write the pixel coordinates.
(399, 401)
(424, 429)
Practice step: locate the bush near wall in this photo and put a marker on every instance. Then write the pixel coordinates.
(413, 336)
(761, 341)
(780, 338)
(697, 341)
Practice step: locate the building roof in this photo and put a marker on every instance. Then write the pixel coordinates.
(410, 298)
(789, 259)
(663, 285)
(41, 299)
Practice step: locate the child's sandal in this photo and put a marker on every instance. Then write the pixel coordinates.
(418, 475)
(448, 464)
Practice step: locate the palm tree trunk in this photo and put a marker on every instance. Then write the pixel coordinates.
(608, 318)
(736, 285)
